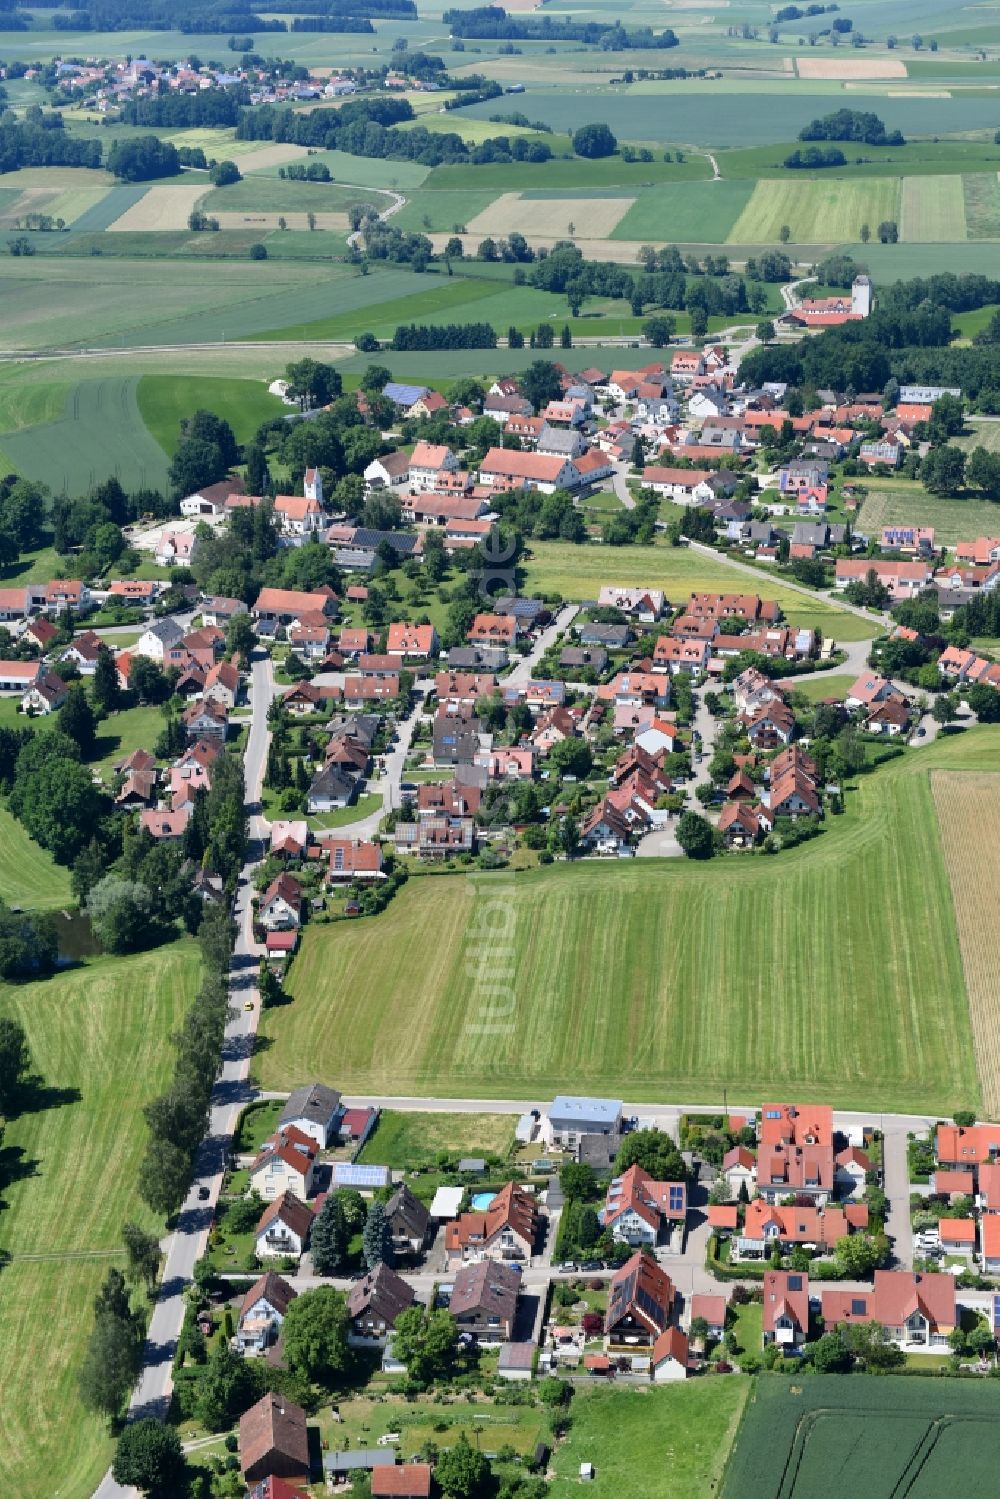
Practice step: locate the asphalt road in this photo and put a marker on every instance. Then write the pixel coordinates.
(186, 1244)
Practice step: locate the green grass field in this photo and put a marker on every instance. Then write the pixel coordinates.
(932, 210)
(440, 212)
(577, 572)
(28, 875)
(816, 211)
(525, 176)
(982, 206)
(272, 195)
(101, 1032)
(651, 1443)
(165, 400)
(981, 435)
(953, 520)
(100, 432)
(795, 1435)
(404, 1141)
(685, 212)
(658, 979)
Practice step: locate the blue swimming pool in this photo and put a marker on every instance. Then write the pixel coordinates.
(481, 1201)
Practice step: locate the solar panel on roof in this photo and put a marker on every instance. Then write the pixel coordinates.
(795, 1282)
(858, 1306)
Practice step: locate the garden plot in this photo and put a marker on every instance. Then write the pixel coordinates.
(161, 208)
(513, 213)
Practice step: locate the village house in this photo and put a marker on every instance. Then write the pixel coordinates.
(313, 1110)
(796, 1141)
(409, 1222)
(280, 907)
(640, 1304)
(283, 1164)
(820, 1229)
(373, 1304)
(639, 1210)
(428, 462)
(283, 1229)
(274, 1442)
(739, 1167)
(411, 641)
(903, 580)
(917, 1310)
(506, 468)
(484, 1300)
(505, 1231)
(785, 1318)
(353, 859)
(262, 1312)
(280, 606)
(970, 1146)
(44, 695)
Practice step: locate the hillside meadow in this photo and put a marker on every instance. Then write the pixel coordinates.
(831, 972)
(99, 1038)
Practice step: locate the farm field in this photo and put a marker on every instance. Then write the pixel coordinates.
(439, 212)
(100, 432)
(99, 1037)
(816, 211)
(403, 1140)
(566, 176)
(794, 1435)
(982, 206)
(28, 875)
(969, 818)
(597, 217)
(164, 401)
(272, 195)
(687, 212)
(618, 979)
(651, 1443)
(683, 112)
(161, 207)
(577, 572)
(953, 520)
(932, 209)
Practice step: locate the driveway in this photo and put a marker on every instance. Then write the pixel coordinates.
(524, 668)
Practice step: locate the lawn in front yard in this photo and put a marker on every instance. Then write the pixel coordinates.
(651, 1443)
(404, 1141)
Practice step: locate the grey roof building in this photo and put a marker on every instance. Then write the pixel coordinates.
(314, 1110)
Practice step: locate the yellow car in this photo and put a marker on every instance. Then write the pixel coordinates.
(248, 1005)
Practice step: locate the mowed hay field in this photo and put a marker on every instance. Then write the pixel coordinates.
(816, 210)
(595, 217)
(99, 1038)
(932, 210)
(968, 809)
(166, 207)
(577, 572)
(982, 205)
(832, 972)
(795, 1434)
(28, 875)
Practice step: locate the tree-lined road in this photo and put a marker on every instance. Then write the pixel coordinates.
(186, 1244)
